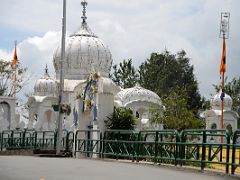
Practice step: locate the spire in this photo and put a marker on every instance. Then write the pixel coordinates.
(46, 75)
(84, 29)
(46, 69)
(84, 17)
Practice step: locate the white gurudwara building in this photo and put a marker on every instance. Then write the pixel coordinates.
(139, 100)
(88, 90)
(213, 116)
(8, 118)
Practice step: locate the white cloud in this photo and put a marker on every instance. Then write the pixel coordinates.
(34, 53)
(5, 55)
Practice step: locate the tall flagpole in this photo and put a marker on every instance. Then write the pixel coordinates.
(224, 34)
(60, 99)
(222, 71)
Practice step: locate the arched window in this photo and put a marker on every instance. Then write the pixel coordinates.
(214, 126)
(137, 114)
(35, 116)
(6, 111)
(229, 128)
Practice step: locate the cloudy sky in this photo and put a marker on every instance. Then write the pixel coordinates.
(131, 28)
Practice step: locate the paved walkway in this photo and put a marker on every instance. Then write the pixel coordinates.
(35, 168)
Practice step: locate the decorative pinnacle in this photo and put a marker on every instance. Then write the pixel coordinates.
(46, 69)
(84, 4)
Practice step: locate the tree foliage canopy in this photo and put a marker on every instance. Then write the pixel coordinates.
(165, 73)
(125, 75)
(176, 115)
(121, 118)
(172, 77)
(6, 78)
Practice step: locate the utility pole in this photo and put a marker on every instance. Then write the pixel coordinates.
(61, 89)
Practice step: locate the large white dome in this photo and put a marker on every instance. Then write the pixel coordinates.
(84, 51)
(216, 102)
(45, 86)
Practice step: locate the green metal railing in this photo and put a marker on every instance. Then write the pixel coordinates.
(203, 148)
(29, 139)
(119, 143)
(12, 139)
(158, 146)
(235, 151)
(45, 140)
(88, 142)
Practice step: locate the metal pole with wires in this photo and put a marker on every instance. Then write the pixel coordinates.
(61, 89)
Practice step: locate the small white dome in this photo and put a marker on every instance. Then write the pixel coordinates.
(45, 86)
(216, 102)
(84, 51)
(137, 94)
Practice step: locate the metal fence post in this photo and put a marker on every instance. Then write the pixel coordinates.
(35, 139)
(88, 143)
(228, 152)
(55, 140)
(156, 148)
(138, 146)
(1, 143)
(75, 145)
(177, 147)
(103, 145)
(234, 151)
(23, 139)
(67, 142)
(203, 150)
(11, 142)
(100, 145)
(43, 140)
(182, 148)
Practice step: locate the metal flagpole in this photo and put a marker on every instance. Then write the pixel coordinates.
(224, 34)
(222, 112)
(60, 99)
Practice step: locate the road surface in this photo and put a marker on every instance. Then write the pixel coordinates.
(36, 168)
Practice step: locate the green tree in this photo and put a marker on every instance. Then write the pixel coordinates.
(176, 115)
(6, 78)
(165, 73)
(125, 75)
(121, 118)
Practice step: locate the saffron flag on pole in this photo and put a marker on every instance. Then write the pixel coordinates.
(14, 62)
(223, 60)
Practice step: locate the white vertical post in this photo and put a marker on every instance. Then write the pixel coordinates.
(60, 100)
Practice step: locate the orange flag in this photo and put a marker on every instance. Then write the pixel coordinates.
(223, 60)
(14, 62)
